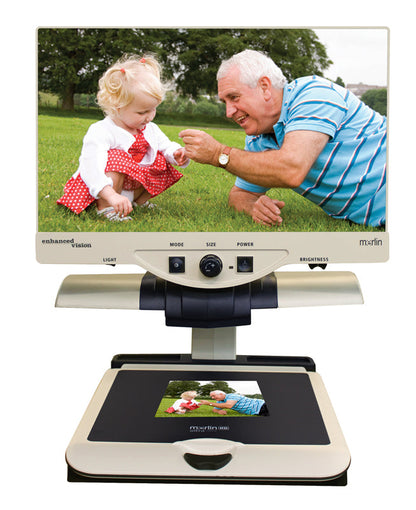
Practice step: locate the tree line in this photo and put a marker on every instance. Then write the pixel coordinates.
(176, 388)
(71, 60)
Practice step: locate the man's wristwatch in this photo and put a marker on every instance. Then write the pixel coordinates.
(224, 157)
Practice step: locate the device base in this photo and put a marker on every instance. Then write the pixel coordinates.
(121, 440)
(75, 476)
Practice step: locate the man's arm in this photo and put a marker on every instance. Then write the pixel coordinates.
(223, 405)
(259, 206)
(283, 168)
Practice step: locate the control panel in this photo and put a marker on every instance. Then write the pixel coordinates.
(210, 269)
(211, 265)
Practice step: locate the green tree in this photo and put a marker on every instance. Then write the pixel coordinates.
(71, 60)
(216, 385)
(339, 81)
(297, 52)
(176, 388)
(376, 99)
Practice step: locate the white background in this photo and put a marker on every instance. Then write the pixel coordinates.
(52, 360)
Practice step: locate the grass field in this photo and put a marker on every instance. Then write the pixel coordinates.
(201, 412)
(197, 203)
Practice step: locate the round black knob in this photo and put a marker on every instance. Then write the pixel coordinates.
(210, 265)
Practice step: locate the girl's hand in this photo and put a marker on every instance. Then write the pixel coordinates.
(121, 204)
(180, 156)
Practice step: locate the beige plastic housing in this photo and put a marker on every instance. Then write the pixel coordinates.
(249, 461)
(122, 291)
(270, 251)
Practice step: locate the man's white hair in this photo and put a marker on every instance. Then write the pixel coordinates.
(253, 65)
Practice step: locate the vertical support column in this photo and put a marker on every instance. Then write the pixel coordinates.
(214, 343)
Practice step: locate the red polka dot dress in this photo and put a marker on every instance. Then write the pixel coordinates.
(155, 178)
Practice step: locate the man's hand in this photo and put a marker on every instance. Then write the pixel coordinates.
(266, 211)
(201, 146)
(260, 207)
(220, 411)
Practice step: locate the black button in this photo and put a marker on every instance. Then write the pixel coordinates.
(176, 264)
(245, 264)
(210, 265)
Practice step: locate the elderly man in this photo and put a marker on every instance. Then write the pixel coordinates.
(236, 402)
(310, 135)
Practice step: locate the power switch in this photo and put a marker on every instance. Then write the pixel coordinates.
(245, 264)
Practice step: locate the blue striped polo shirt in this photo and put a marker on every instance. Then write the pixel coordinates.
(348, 179)
(244, 405)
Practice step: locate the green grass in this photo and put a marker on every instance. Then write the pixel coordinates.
(201, 412)
(197, 203)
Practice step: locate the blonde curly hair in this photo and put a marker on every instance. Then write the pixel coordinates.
(129, 76)
(189, 395)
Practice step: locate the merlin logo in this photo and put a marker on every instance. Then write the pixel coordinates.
(371, 242)
(207, 428)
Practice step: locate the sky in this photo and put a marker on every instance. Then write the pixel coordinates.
(359, 54)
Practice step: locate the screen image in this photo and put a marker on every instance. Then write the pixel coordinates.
(208, 399)
(149, 147)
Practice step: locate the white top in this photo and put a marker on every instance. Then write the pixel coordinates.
(105, 135)
(177, 404)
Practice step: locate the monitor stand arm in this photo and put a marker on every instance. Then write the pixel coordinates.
(214, 343)
(213, 314)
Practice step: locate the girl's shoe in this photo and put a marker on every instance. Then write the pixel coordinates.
(111, 215)
(146, 205)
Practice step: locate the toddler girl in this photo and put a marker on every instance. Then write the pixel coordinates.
(125, 158)
(187, 402)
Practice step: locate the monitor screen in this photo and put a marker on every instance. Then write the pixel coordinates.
(206, 179)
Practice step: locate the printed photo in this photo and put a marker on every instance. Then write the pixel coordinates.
(202, 399)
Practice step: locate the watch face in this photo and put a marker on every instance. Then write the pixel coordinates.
(223, 159)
